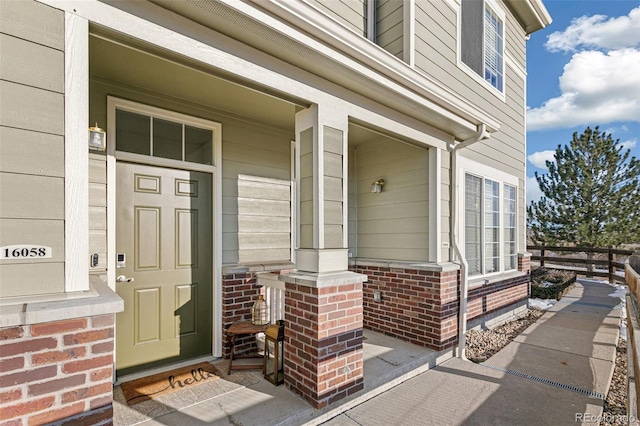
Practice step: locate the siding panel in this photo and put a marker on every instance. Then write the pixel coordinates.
(45, 152)
(49, 233)
(31, 64)
(37, 278)
(39, 197)
(392, 224)
(33, 21)
(351, 13)
(26, 102)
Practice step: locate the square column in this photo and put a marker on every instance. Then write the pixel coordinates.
(323, 300)
(323, 336)
(321, 175)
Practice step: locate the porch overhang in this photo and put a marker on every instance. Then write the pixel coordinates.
(296, 33)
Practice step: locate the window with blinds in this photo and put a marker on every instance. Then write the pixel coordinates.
(482, 40)
(490, 225)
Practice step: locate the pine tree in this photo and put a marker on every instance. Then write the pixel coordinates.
(591, 195)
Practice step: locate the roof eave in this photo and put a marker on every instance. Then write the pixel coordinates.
(533, 14)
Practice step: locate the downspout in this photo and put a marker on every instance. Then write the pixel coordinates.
(481, 134)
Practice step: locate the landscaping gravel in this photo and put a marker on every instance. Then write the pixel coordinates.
(615, 406)
(482, 344)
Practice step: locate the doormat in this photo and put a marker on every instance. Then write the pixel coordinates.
(158, 405)
(151, 387)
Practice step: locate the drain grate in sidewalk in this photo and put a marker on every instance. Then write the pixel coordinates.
(590, 394)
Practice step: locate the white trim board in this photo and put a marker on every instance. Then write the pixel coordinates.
(76, 164)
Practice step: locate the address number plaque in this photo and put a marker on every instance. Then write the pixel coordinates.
(25, 251)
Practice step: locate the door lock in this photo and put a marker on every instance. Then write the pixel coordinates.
(123, 279)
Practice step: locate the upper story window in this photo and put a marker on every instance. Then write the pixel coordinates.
(482, 40)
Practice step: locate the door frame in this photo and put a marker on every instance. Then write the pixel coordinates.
(216, 197)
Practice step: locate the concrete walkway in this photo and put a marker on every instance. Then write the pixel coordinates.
(556, 372)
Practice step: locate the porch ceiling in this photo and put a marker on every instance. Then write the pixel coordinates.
(125, 64)
(133, 65)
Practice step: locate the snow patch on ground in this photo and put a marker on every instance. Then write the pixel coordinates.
(544, 304)
(620, 292)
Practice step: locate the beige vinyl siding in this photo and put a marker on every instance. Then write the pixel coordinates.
(333, 188)
(393, 224)
(351, 13)
(436, 45)
(32, 145)
(256, 168)
(352, 204)
(445, 189)
(98, 210)
(390, 26)
(306, 217)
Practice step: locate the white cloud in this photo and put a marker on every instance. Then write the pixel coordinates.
(597, 88)
(631, 143)
(597, 32)
(539, 158)
(533, 190)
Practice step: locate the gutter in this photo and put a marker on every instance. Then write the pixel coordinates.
(480, 135)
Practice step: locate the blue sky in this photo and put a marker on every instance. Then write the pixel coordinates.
(583, 70)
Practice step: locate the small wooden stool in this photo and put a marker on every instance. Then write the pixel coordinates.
(240, 328)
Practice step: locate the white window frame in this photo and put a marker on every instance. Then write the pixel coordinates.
(499, 11)
(483, 171)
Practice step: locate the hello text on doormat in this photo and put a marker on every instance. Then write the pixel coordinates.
(151, 387)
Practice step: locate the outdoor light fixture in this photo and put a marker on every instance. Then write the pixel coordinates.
(273, 367)
(97, 138)
(377, 185)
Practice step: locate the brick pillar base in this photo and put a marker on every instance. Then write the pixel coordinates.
(323, 337)
(524, 262)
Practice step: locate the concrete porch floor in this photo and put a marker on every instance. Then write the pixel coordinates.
(387, 362)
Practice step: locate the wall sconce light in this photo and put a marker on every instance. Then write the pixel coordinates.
(97, 138)
(377, 185)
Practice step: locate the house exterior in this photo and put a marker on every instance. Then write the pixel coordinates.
(368, 155)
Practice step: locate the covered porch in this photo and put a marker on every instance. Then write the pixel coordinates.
(387, 362)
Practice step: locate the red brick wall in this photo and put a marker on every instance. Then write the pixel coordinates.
(524, 263)
(323, 342)
(57, 370)
(490, 297)
(239, 292)
(420, 307)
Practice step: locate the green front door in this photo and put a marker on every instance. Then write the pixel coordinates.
(164, 258)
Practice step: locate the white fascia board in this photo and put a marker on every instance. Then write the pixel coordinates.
(364, 57)
(533, 14)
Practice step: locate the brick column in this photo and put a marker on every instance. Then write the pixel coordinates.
(524, 262)
(323, 336)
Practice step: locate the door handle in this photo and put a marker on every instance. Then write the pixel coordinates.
(123, 279)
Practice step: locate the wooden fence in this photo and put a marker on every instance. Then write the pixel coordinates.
(603, 261)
